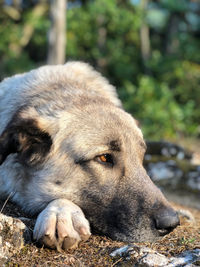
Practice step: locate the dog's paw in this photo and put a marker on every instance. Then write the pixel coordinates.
(61, 225)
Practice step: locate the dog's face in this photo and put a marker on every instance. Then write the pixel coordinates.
(94, 157)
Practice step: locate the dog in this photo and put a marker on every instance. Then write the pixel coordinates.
(70, 153)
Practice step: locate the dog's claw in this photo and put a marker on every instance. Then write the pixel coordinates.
(61, 225)
(48, 241)
(70, 243)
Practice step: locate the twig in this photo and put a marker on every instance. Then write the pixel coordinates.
(116, 262)
(4, 204)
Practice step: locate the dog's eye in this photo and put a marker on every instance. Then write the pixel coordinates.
(105, 158)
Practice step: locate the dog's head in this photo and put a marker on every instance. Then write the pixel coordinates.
(91, 154)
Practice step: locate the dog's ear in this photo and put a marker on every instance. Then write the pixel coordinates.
(25, 138)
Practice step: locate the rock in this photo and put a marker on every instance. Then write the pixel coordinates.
(186, 214)
(193, 179)
(120, 251)
(13, 235)
(153, 259)
(167, 149)
(146, 257)
(165, 170)
(171, 167)
(185, 259)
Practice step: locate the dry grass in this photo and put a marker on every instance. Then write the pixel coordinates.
(95, 252)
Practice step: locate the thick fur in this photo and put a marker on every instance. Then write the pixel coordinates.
(55, 123)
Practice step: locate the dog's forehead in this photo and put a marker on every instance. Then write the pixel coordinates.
(114, 122)
(109, 130)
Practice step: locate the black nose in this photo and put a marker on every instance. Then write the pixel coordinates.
(166, 220)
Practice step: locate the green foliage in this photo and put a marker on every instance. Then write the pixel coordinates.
(22, 38)
(161, 92)
(165, 102)
(120, 27)
(154, 104)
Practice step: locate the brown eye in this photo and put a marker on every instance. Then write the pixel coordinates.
(105, 158)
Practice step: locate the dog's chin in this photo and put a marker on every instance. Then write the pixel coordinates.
(139, 237)
(130, 236)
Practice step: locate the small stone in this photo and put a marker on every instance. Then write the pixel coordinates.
(153, 259)
(185, 259)
(20, 225)
(121, 251)
(186, 214)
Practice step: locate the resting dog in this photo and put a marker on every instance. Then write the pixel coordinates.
(68, 151)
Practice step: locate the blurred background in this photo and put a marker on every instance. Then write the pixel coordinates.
(149, 49)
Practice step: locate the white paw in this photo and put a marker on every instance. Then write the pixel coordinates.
(61, 225)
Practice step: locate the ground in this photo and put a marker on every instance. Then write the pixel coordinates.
(95, 252)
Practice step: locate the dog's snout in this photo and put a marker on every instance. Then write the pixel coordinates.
(166, 220)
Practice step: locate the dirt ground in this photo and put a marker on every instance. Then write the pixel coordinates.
(95, 252)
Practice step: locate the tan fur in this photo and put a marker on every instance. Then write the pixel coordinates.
(55, 123)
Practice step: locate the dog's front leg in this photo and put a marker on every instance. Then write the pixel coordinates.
(61, 225)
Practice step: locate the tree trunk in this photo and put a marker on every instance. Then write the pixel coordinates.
(171, 43)
(101, 42)
(57, 33)
(144, 37)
